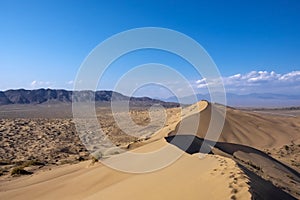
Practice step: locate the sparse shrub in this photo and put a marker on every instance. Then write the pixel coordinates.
(32, 163)
(4, 162)
(286, 147)
(94, 159)
(97, 155)
(65, 161)
(19, 171)
(81, 159)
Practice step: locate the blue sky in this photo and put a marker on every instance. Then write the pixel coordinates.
(255, 44)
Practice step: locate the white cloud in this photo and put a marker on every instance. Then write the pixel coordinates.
(259, 81)
(70, 82)
(201, 83)
(40, 84)
(33, 83)
(236, 76)
(292, 76)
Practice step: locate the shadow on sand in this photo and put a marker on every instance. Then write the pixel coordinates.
(268, 178)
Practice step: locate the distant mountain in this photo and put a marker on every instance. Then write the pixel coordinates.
(247, 100)
(22, 96)
(4, 99)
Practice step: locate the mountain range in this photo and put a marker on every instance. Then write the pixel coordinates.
(40, 96)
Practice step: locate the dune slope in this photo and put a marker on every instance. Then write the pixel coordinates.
(212, 177)
(247, 128)
(250, 139)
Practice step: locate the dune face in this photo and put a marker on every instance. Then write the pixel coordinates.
(246, 162)
(250, 139)
(248, 128)
(213, 177)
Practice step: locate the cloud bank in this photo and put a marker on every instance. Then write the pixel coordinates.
(258, 82)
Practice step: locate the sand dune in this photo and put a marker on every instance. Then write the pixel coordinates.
(245, 127)
(250, 139)
(189, 177)
(240, 165)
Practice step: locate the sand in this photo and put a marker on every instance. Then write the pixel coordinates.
(251, 139)
(248, 128)
(241, 166)
(213, 177)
